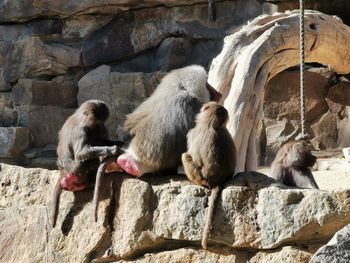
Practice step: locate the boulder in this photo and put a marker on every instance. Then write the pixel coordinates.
(336, 250)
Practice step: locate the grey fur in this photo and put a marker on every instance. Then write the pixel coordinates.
(160, 124)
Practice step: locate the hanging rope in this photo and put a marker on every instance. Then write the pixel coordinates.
(303, 135)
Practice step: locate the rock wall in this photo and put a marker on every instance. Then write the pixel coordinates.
(46, 47)
(53, 55)
(160, 219)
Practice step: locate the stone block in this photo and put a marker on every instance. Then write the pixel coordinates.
(13, 141)
(60, 91)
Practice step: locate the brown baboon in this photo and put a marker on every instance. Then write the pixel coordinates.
(292, 165)
(82, 140)
(211, 155)
(160, 124)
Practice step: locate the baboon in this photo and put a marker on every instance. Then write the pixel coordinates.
(211, 156)
(292, 165)
(82, 139)
(160, 124)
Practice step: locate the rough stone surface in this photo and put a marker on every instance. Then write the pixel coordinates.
(8, 112)
(43, 122)
(31, 57)
(13, 141)
(81, 26)
(282, 96)
(25, 10)
(282, 111)
(3, 85)
(60, 91)
(336, 250)
(133, 32)
(17, 31)
(192, 255)
(277, 133)
(164, 214)
(287, 254)
(325, 132)
(340, 93)
(19, 225)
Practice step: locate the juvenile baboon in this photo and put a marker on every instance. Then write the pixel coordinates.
(211, 155)
(82, 140)
(292, 165)
(160, 124)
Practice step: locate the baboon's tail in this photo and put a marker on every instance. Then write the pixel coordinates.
(208, 223)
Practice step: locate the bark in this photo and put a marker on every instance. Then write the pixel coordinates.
(259, 51)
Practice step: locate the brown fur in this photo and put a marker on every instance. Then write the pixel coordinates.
(160, 124)
(211, 155)
(82, 130)
(292, 165)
